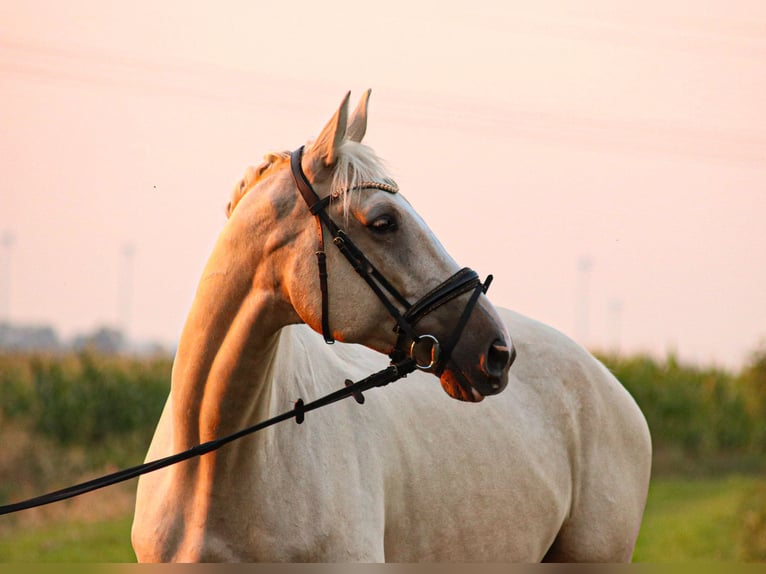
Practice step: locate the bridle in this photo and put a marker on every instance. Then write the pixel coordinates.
(461, 282)
(403, 360)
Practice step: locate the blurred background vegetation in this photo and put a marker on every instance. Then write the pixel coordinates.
(707, 500)
(68, 417)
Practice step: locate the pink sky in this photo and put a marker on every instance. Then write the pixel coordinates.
(529, 138)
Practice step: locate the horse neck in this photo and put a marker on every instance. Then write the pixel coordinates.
(220, 374)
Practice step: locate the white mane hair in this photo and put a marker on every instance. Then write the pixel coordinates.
(357, 167)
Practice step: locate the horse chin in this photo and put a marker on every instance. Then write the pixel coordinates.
(453, 388)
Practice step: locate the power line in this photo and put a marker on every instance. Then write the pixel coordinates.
(88, 68)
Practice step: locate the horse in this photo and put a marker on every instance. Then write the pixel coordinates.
(553, 466)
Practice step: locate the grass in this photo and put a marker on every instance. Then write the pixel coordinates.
(686, 520)
(103, 541)
(693, 520)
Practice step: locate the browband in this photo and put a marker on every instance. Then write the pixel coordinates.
(463, 281)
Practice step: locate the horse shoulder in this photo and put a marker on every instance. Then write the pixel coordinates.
(608, 441)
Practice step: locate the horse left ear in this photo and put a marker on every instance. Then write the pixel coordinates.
(323, 153)
(357, 125)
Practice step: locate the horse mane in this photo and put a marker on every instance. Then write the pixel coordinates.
(357, 167)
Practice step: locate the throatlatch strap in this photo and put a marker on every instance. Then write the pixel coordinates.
(324, 290)
(316, 207)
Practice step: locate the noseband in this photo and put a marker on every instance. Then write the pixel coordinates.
(403, 360)
(461, 282)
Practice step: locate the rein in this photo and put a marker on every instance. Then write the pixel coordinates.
(388, 375)
(403, 360)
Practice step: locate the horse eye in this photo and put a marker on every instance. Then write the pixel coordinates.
(383, 224)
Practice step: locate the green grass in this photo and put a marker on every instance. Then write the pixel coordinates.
(693, 520)
(107, 541)
(685, 520)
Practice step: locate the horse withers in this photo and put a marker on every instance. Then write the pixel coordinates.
(554, 466)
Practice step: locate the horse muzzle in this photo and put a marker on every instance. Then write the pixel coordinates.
(490, 378)
(478, 364)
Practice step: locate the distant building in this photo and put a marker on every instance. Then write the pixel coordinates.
(28, 338)
(104, 340)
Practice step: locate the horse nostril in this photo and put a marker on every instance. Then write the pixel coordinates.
(498, 358)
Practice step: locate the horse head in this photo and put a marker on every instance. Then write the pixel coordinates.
(414, 298)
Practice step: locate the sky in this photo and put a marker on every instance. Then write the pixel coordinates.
(605, 161)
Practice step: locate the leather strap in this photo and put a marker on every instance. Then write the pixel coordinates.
(461, 282)
(316, 207)
(374, 278)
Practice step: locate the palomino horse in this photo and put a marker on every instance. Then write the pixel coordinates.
(554, 468)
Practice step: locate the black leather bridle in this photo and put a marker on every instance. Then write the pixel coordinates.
(403, 360)
(461, 282)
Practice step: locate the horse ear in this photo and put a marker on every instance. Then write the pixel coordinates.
(323, 152)
(357, 125)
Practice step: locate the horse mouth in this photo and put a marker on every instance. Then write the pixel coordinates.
(459, 389)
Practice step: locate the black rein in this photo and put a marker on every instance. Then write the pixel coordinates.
(402, 361)
(388, 375)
